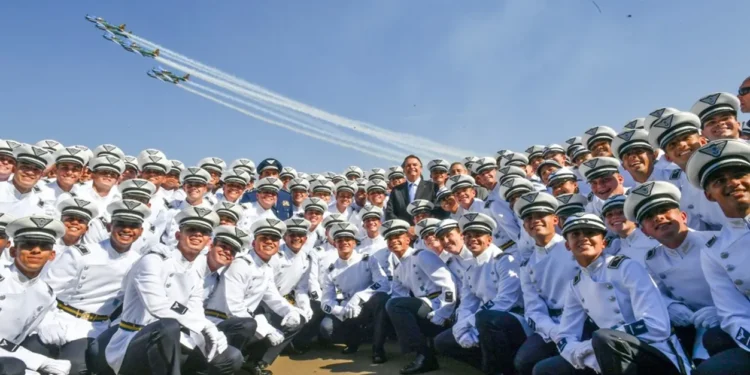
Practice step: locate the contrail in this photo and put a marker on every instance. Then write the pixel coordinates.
(286, 126)
(260, 93)
(252, 95)
(339, 136)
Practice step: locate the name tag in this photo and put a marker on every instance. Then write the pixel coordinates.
(9, 346)
(179, 308)
(448, 296)
(488, 305)
(561, 345)
(637, 328)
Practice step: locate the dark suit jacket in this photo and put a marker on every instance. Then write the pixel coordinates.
(399, 199)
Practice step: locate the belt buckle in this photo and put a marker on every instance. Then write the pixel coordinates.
(84, 316)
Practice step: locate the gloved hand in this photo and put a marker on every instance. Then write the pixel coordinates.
(680, 314)
(276, 337)
(306, 312)
(352, 311)
(580, 353)
(52, 333)
(468, 340)
(591, 362)
(55, 367)
(211, 333)
(706, 317)
(292, 319)
(435, 319)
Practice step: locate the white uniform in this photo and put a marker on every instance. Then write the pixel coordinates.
(617, 293)
(725, 260)
(89, 278)
(544, 280)
(253, 213)
(348, 214)
(245, 283)
(160, 286)
(291, 274)
(371, 245)
(351, 281)
(636, 245)
(422, 274)
(492, 283)
(87, 192)
(39, 200)
(458, 264)
(172, 227)
(25, 305)
(702, 213)
(56, 189)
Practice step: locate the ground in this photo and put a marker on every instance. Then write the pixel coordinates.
(331, 361)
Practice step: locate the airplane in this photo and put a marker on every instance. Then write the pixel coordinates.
(167, 76)
(113, 38)
(101, 24)
(135, 48)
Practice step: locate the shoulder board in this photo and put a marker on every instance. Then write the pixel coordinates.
(37, 188)
(248, 261)
(487, 203)
(616, 261)
(711, 242)
(366, 257)
(650, 254)
(162, 256)
(50, 291)
(330, 268)
(2, 277)
(675, 174)
(318, 248)
(41, 203)
(498, 256)
(418, 251)
(103, 220)
(166, 203)
(577, 278)
(590, 197)
(82, 249)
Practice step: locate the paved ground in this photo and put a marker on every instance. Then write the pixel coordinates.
(331, 361)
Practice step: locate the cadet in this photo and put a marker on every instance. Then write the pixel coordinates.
(376, 193)
(678, 134)
(131, 168)
(76, 214)
(640, 159)
(345, 191)
(355, 291)
(722, 168)
(536, 156)
(87, 280)
(229, 213)
(494, 205)
(322, 189)
(419, 210)
(599, 140)
(154, 167)
(423, 296)
(554, 152)
(27, 299)
(360, 197)
(438, 172)
(21, 196)
(567, 205)
(353, 173)
(565, 181)
(300, 190)
(69, 164)
(490, 315)
(455, 254)
(718, 115)
(674, 264)
(314, 211)
(370, 218)
(543, 278)
(163, 308)
(5, 258)
(395, 177)
(233, 185)
(7, 158)
(215, 167)
(296, 278)
(194, 181)
(376, 174)
(287, 174)
(635, 334)
(103, 190)
(603, 175)
(632, 242)
(267, 194)
(283, 207)
(425, 231)
(171, 185)
(247, 283)
(135, 189)
(462, 188)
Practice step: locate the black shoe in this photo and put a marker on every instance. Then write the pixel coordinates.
(378, 357)
(420, 365)
(256, 369)
(350, 349)
(293, 349)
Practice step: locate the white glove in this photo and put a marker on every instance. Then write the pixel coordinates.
(680, 314)
(292, 319)
(706, 317)
(468, 340)
(307, 313)
(211, 333)
(276, 337)
(52, 333)
(55, 367)
(591, 362)
(580, 353)
(352, 311)
(435, 319)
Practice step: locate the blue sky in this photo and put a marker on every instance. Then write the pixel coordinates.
(482, 75)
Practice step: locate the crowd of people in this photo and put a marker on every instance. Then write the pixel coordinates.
(615, 252)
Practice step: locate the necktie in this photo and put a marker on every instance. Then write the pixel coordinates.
(412, 191)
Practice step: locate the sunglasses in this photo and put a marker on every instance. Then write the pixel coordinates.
(743, 91)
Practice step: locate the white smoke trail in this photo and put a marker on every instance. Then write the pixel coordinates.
(337, 135)
(286, 126)
(405, 140)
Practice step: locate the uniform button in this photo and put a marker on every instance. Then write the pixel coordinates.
(609, 286)
(612, 298)
(738, 282)
(730, 268)
(168, 285)
(724, 255)
(171, 274)
(617, 311)
(663, 276)
(531, 272)
(83, 277)
(586, 311)
(583, 300)
(622, 322)
(2, 298)
(86, 267)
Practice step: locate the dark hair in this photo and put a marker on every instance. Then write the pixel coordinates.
(411, 156)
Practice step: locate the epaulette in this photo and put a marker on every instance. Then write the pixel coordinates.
(50, 291)
(41, 203)
(577, 278)
(330, 268)
(37, 188)
(487, 204)
(711, 242)
(418, 251)
(153, 228)
(650, 254)
(82, 249)
(675, 174)
(162, 256)
(103, 220)
(590, 197)
(249, 262)
(616, 261)
(608, 241)
(366, 257)
(498, 256)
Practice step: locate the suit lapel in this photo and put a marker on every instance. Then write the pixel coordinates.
(420, 190)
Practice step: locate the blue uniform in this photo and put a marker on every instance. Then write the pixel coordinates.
(283, 208)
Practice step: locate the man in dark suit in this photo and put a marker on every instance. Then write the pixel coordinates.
(414, 188)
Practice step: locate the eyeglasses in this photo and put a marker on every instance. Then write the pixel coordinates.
(743, 91)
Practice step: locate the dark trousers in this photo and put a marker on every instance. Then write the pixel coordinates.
(531, 352)
(156, 350)
(409, 318)
(729, 362)
(500, 336)
(74, 351)
(95, 353)
(12, 366)
(446, 344)
(620, 353)
(311, 328)
(557, 365)
(715, 340)
(352, 331)
(261, 350)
